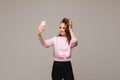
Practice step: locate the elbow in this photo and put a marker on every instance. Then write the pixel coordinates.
(45, 46)
(74, 44)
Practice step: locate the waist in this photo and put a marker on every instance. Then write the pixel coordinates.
(62, 59)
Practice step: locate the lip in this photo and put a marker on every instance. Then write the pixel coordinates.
(61, 31)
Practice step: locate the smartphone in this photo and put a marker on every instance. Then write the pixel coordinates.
(42, 23)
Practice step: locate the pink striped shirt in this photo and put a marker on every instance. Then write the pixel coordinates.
(61, 48)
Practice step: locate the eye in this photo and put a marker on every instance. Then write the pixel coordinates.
(60, 27)
(64, 27)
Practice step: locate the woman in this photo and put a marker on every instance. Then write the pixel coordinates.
(62, 45)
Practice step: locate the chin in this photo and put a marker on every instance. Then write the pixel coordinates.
(62, 34)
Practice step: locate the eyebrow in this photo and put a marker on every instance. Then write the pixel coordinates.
(62, 27)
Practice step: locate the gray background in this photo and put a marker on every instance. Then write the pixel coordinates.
(95, 22)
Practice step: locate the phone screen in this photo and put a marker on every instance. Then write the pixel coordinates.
(42, 23)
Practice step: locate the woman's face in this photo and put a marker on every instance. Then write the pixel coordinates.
(62, 29)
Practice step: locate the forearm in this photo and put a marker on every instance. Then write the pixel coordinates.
(41, 39)
(72, 33)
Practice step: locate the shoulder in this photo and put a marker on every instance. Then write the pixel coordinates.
(58, 37)
(54, 37)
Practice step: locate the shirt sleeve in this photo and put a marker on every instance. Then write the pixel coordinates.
(49, 42)
(73, 42)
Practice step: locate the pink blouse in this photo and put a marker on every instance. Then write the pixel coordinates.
(61, 48)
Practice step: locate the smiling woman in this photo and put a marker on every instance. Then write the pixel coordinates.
(64, 28)
(62, 45)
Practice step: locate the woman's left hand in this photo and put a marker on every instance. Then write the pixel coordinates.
(70, 24)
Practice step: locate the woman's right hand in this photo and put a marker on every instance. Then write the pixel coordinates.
(41, 29)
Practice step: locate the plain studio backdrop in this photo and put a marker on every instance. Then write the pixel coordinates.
(96, 24)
